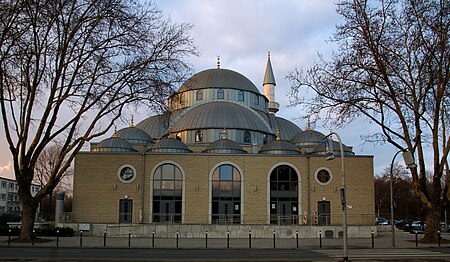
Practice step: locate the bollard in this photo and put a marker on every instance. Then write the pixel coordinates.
(320, 239)
(81, 238)
(153, 239)
(177, 238)
(32, 237)
(373, 243)
(9, 237)
(104, 238)
(228, 239)
(57, 237)
(439, 238)
(206, 239)
(249, 239)
(296, 236)
(416, 240)
(274, 239)
(129, 238)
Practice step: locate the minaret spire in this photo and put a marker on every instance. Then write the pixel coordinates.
(218, 61)
(269, 86)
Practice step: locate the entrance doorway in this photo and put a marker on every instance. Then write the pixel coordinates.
(324, 213)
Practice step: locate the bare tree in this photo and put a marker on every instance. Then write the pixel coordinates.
(42, 174)
(393, 68)
(69, 68)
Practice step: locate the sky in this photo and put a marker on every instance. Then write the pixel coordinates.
(242, 33)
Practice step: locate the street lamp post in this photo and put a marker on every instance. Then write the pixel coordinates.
(392, 199)
(329, 147)
(409, 161)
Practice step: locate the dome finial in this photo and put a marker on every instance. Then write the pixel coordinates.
(331, 133)
(132, 121)
(224, 133)
(309, 124)
(115, 132)
(268, 55)
(278, 134)
(218, 61)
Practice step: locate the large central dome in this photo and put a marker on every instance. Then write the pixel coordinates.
(218, 78)
(220, 114)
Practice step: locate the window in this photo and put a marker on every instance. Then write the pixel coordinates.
(167, 194)
(3, 197)
(125, 211)
(220, 94)
(226, 195)
(199, 95)
(198, 136)
(256, 99)
(240, 95)
(126, 173)
(247, 137)
(3, 184)
(2, 209)
(11, 185)
(283, 196)
(323, 176)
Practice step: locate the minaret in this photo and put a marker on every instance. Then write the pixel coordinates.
(269, 87)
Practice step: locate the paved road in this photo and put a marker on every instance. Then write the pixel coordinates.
(260, 255)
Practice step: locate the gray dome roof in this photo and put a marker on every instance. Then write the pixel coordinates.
(155, 126)
(218, 78)
(308, 138)
(224, 146)
(287, 129)
(135, 136)
(170, 145)
(113, 144)
(279, 147)
(221, 114)
(320, 149)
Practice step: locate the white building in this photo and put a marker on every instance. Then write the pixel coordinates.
(9, 196)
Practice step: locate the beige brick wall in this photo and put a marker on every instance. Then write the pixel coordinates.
(97, 189)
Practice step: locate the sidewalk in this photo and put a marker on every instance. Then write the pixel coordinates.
(403, 240)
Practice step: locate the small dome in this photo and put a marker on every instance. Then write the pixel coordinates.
(224, 146)
(218, 78)
(220, 114)
(155, 126)
(113, 144)
(279, 147)
(320, 149)
(170, 145)
(135, 136)
(308, 138)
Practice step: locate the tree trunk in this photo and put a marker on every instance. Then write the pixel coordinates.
(432, 227)
(29, 208)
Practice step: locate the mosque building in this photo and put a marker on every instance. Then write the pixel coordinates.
(220, 156)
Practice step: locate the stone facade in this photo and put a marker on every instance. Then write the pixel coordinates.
(97, 188)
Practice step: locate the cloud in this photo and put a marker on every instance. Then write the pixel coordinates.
(6, 170)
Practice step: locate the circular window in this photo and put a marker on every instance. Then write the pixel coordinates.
(323, 176)
(126, 173)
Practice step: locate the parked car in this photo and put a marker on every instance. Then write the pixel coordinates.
(418, 225)
(381, 221)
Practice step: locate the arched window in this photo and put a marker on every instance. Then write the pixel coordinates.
(226, 195)
(283, 195)
(167, 194)
(247, 137)
(240, 95)
(199, 95)
(198, 136)
(256, 100)
(220, 94)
